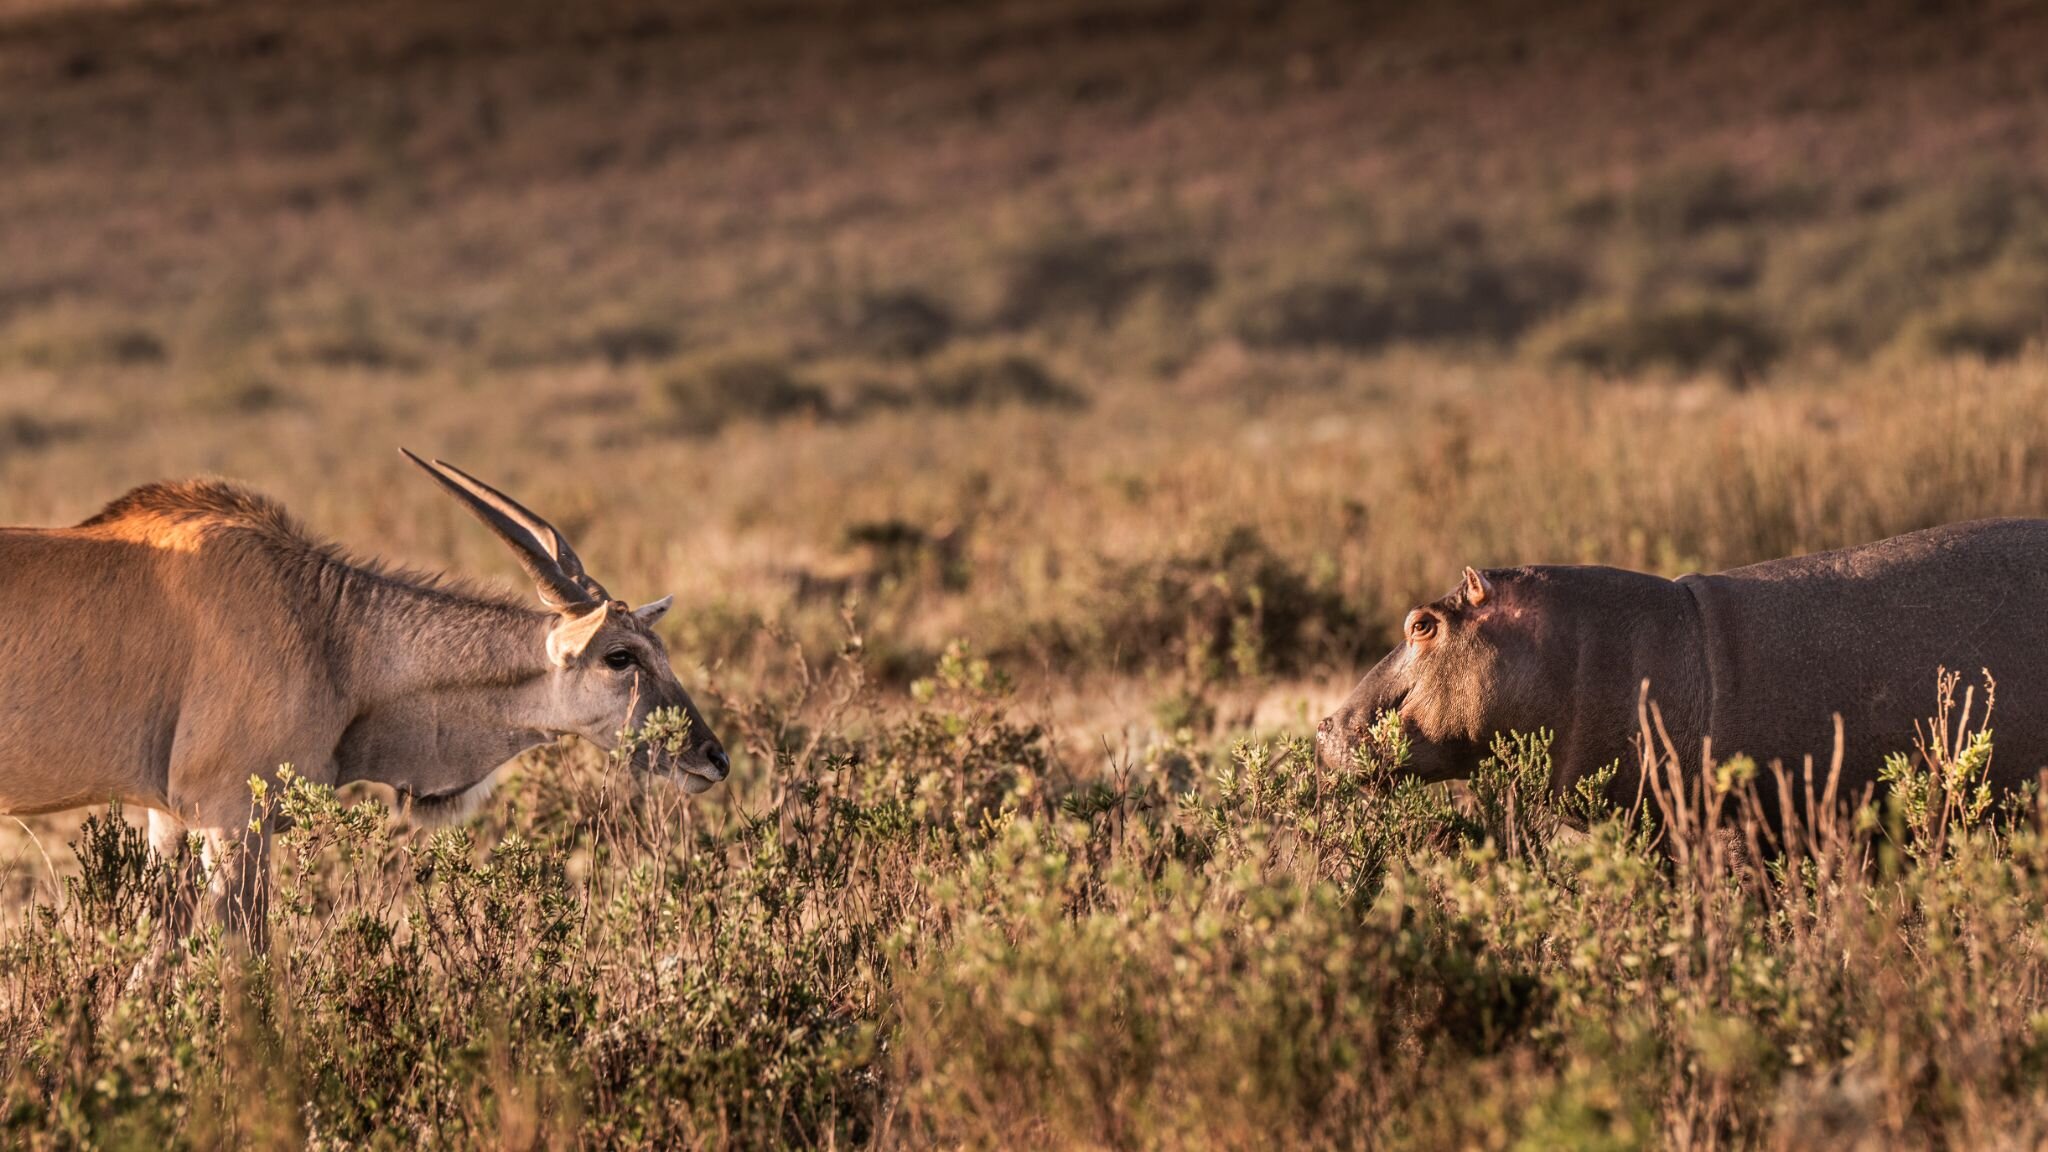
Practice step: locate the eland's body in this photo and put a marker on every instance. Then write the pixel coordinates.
(191, 636)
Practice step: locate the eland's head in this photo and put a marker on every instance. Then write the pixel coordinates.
(608, 670)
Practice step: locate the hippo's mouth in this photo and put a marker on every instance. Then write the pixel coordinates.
(1378, 716)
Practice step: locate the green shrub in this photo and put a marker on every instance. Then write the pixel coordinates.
(1184, 710)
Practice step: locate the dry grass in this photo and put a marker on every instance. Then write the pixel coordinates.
(1123, 371)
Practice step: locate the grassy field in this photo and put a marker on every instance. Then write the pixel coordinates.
(1040, 412)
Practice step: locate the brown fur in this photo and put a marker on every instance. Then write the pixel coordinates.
(192, 635)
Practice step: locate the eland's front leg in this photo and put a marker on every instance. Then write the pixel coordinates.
(238, 888)
(169, 840)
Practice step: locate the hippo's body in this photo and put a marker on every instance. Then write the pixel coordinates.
(1758, 659)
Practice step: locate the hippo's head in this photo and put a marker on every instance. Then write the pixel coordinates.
(1460, 675)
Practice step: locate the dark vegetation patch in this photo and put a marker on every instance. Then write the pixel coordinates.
(704, 395)
(1232, 610)
(621, 344)
(1690, 201)
(884, 556)
(980, 379)
(1091, 278)
(28, 432)
(1994, 321)
(1703, 336)
(608, 340)
(71, 347)
(904, 324)
(1452, 287)
(1954, 268)
(709, 392)
(901, 550)
(241, 393)
(357, 335)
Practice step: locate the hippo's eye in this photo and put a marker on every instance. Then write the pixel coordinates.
(1421, 626)
(618, 659)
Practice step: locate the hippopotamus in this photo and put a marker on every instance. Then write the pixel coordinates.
(1759, 660)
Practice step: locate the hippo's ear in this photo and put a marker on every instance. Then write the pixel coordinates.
(1477, 587)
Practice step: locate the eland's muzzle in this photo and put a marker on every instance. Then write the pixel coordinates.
(720, 763)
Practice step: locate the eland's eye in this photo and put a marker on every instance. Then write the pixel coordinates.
(618, 659)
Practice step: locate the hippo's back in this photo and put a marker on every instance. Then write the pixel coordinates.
(1862, 632)
(1931, 554)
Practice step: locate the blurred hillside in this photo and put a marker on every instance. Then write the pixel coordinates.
(532, 187)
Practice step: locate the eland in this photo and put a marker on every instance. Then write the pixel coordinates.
(192, 636)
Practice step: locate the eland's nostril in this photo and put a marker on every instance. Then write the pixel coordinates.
(719, 759)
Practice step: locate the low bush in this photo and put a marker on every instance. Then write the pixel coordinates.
(903, 324)
(1994, 316)
(27, 432)
(706, 393)
(1690, 200)
(1336, 313)
(1700, 336)
(981, 378)
(1948, 268)
(1446, 287)
(67, 345)
(899, 550)
(1232, 610)
(623, 343)
(1088, 277)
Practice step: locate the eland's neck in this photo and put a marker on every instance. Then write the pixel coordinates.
(444, 686)
(400, 640)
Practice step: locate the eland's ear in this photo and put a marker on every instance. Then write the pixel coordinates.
(648, 613)
(1477, 587)
(567, 640)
